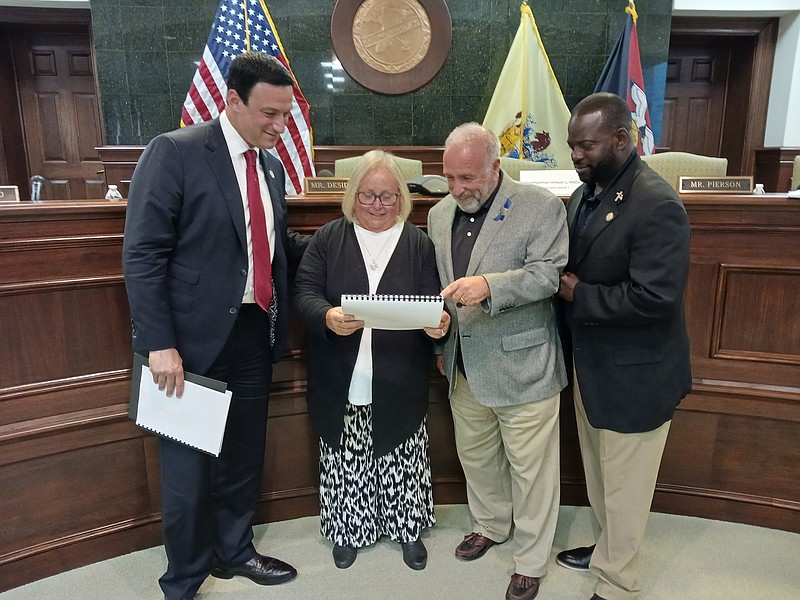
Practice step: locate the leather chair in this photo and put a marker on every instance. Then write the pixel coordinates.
(344, 167)
(674, 165)
(796, 173)
(512, 166)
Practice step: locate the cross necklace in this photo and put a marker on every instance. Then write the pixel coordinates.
(373, 260)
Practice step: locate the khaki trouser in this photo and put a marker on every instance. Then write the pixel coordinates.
(621, 471)
(511, 462)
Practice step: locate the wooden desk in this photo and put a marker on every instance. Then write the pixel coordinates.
(80, 482)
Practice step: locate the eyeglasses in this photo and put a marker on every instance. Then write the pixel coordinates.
(386, 198)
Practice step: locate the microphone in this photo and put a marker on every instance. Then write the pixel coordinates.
(324, 173)
(37, 183)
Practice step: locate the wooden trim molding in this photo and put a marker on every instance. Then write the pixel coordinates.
(120, 161)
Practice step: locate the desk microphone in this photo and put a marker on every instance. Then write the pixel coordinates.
(37, 183)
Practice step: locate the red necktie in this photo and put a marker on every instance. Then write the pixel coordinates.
(262, 264)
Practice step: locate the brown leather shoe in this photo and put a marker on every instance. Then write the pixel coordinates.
(474, 546)
(522, 587)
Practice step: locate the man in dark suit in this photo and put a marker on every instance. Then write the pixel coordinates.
(205, 258)
(623, 324)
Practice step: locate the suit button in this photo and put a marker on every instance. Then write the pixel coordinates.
(232, 310)
(243, 272)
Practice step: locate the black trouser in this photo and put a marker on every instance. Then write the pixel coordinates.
(208, 502)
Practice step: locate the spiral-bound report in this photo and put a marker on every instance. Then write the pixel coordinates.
(396, 312)
(196, 419)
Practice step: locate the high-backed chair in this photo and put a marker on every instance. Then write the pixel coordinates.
(512, 166)
(674, 165)
(410, 167)
(796, 173)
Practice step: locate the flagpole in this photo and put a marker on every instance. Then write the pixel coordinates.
(524, 104)
(246, 26)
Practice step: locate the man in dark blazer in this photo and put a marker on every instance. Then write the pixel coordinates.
(623, 324)
(189, 265)
(500, 248)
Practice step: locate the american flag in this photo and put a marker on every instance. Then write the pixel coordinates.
(230, 36)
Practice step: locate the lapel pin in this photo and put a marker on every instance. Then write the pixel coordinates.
(619, 197)
(503, 210)
(271, 174)
(609, 217)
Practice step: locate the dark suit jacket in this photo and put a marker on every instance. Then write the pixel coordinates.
(185, 246)
(402, 360)
(626, 327)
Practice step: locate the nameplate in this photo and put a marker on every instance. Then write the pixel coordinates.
(562, 182)
(325, 185)
(9, 193)
(716, 185)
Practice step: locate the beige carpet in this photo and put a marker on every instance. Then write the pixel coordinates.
(683, 559)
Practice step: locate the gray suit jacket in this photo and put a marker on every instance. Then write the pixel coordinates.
(510, 345)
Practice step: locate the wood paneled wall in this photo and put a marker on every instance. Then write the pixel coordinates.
(774, 168)
(80, 481)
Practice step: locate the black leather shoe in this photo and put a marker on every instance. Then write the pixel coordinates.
(415, 555)
(344, 556)
(264, 570)
(576, 559)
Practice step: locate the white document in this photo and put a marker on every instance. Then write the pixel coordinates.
(196, 419)
(394, 312)
(561, 182)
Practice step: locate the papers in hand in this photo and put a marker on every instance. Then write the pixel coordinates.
(394, 312)
(196, 419)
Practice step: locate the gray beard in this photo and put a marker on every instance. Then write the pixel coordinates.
(469, 206)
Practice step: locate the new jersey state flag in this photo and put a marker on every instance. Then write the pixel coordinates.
(622, 76)
(231, 35)
(527, 111)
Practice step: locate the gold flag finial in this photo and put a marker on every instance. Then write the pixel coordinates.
(631, 10)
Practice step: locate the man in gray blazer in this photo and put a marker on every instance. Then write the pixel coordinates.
(500, 247)
(202, 299)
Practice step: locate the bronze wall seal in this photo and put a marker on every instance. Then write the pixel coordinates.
(391, 46)
(392, 36)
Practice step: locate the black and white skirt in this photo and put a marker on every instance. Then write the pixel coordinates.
(363, 498)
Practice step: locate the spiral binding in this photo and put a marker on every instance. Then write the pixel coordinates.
(390, 298)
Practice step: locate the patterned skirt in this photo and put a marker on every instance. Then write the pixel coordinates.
(363, 498)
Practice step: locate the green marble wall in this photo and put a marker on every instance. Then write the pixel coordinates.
(146, 52)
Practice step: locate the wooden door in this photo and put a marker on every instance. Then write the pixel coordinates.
(695, 98)
(60, 112)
